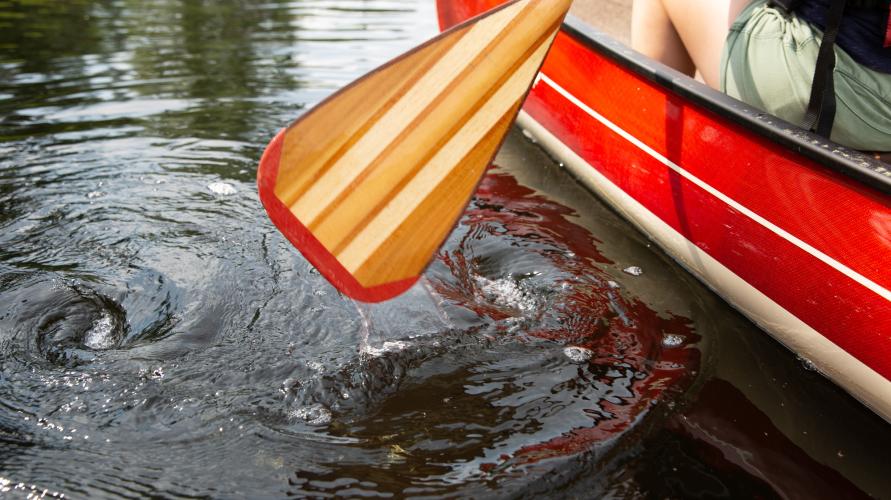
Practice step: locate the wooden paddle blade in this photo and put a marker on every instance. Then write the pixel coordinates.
(369, 183)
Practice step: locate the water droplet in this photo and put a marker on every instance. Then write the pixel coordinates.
(807, 364)
(633, 270)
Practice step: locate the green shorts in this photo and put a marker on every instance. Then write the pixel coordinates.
(768, 62)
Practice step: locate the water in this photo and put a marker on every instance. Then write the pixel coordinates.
(159, 338)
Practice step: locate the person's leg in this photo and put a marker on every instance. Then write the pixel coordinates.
(684, 34)
(703, 27)
(653, 35)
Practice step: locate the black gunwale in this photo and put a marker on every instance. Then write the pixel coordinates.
(866, 170)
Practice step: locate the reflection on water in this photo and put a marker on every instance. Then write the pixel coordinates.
(159, 337)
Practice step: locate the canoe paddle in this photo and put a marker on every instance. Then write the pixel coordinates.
(370, 182)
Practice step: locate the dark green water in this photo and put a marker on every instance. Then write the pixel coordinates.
(159, 338)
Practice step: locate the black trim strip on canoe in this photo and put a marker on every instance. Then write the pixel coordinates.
(859, 166)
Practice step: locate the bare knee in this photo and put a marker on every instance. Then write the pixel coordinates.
(654, 35)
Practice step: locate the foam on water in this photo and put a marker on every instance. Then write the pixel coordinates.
(507, 292)
(222, 188)
(672, 340)
(578, 354)
(313, 414)
(100, 335)
(387, 346)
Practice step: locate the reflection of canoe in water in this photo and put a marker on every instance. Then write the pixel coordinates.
(793, 231)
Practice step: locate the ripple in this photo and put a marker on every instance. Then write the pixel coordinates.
(65, 323)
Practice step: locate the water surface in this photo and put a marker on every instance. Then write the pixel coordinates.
(159, 337)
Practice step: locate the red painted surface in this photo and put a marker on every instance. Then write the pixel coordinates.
(303, 239)
(830, 212)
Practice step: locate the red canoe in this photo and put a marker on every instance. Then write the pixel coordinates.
(792, 230)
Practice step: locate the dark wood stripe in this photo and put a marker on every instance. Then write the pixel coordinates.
(370, 215)
(441, 48)
(375, 163)
(357, 228)
(395, 258)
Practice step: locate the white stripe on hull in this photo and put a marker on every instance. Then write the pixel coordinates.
(838, 365)
(838, 266)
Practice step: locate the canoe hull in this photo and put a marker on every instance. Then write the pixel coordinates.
(764, 214)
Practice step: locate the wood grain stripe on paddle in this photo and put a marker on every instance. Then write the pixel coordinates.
(422, 189)
(344, 218)
(314, 142)
(401, 115)
(404, 255)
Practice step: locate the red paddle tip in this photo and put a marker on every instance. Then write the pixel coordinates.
(308, 245)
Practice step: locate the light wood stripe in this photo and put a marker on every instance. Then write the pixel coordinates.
(380, 172)
(387, 222)
(339, 177)
(316, 140)
(415, 242)
(348, 215)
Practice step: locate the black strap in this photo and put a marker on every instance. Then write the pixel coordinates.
(786, 6)
(821, 108)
